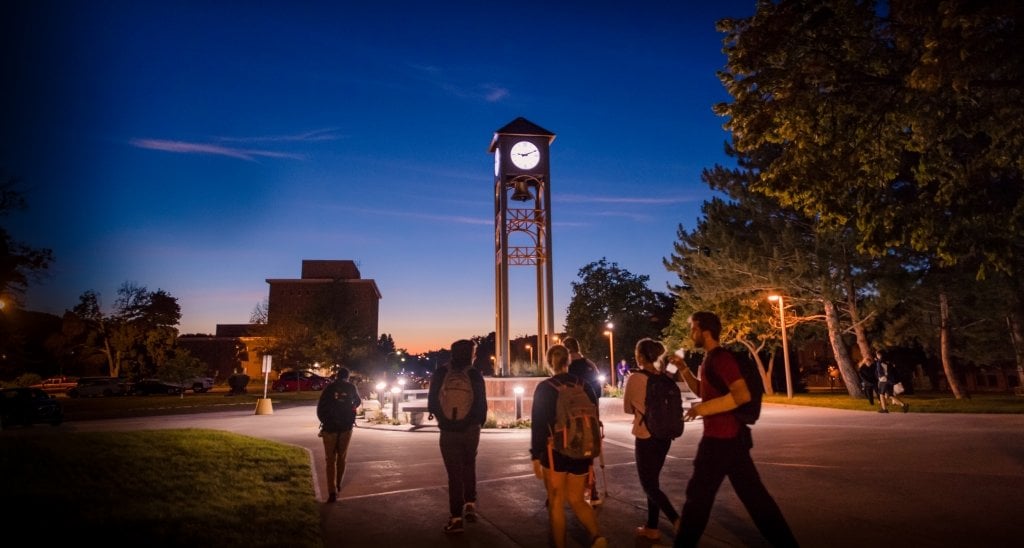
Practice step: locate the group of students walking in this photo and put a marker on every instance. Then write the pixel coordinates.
(563, 456)
(878, 376)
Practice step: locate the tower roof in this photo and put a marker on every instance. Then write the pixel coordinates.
(521, 126)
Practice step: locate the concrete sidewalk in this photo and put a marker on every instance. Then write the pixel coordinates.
(829, 470)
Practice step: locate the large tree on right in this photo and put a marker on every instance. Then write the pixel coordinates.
(905, 118)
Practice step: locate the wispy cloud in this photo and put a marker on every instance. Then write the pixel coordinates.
(183, 147)
(316, 135)
(491, 93)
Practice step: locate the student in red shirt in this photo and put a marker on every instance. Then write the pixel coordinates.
(724, 449)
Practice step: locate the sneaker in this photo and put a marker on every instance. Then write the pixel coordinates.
(883, 410)
(595, 501)
(647, 533)
(333, 497)
(469, 512)
(454, 525)
(906, 407)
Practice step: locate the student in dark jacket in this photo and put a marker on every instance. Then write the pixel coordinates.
(336, 410)
(868, 379)
(460, 437)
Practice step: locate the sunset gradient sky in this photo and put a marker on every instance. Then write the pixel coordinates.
(204, 147)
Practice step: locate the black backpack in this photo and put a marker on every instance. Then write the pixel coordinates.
(337, 415)
(663, 407)
(749, 412)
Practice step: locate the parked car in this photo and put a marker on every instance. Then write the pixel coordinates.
(201, 384)
(55, 384)
(146, 387)
(291, 381)
(97, 386)
(29, 406)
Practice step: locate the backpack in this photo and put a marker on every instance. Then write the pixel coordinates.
(749, 412)
(336, 416)
(577, 429)
(663, 407)
(456, 394)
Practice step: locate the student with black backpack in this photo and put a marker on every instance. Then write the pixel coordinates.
(724, 449)
(457, 398)
(654, 400)
(336, 410)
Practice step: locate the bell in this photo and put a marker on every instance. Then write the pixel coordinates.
(522, 193)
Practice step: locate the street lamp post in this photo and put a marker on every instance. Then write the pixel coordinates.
(530, 348)
(785, 343)
(611, 351)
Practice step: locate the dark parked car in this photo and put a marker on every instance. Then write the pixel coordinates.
(29, 406)
(147, 387)
(97, 386)
(290, 381)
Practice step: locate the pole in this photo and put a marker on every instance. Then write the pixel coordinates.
(785, 349)
(611, 351)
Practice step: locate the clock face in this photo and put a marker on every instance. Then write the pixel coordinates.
(497, 160)
(525, 155)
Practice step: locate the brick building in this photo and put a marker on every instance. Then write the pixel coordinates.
(326, 286)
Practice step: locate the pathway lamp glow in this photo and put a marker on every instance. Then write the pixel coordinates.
(518, 390)
(611, 350)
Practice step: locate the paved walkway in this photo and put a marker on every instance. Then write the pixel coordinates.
(842, 478)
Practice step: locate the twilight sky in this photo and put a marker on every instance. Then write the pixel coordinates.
(204, 147)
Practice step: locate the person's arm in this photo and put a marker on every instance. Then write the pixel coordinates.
(433, 399)
(541, 416)
(738, 395)
(628, 394)
(356, 400)
(684, 374)
(479, 396)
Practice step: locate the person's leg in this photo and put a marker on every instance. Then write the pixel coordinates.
(470, 445)
(645, 454)
(342, 451)
(330, 440)
(709, 467)
(451, 454)
(758, 501)
(574, 488)
(555, 484)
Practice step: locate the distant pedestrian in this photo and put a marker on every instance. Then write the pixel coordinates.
(724, 449)
(621, 372)
(887, 379)
(458, 400)
(565, 478)
(868, 379)
(649, 451)
(585, 370)
(336, 410)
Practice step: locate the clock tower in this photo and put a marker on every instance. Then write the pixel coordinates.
(522, 228)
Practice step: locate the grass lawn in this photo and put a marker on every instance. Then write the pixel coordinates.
(187, 487)
(920, 402)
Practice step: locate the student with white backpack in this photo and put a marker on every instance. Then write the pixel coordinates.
(458, 400)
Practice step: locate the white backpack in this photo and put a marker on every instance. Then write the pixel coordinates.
(456, 394)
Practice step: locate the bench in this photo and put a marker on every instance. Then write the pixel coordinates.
(414, 402)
